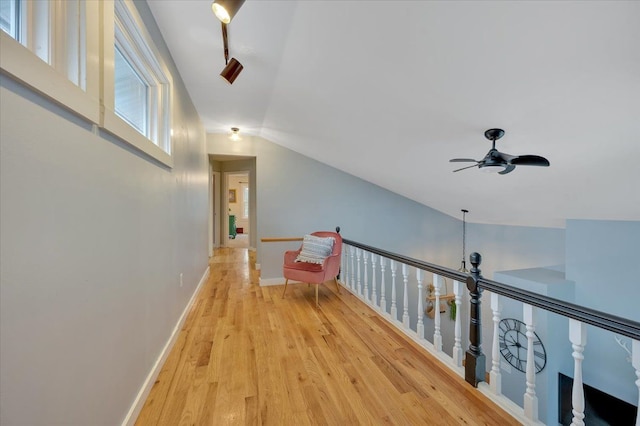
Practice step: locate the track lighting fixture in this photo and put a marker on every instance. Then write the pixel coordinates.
(231, 71)
(225, 10)
(233, 67)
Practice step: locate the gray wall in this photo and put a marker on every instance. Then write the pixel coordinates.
(94, 237)
(298, 195)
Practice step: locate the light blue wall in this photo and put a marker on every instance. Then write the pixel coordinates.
(602, 258)
(94, 236)
(514, 247)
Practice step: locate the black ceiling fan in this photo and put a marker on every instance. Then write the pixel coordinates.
(496, 161)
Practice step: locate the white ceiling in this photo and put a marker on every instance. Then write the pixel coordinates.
(390, 91)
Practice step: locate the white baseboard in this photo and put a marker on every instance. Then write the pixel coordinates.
(138, 403)
(275, 281)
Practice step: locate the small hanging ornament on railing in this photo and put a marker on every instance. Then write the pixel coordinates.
(463, 265)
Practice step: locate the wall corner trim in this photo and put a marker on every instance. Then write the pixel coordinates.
(141, 398)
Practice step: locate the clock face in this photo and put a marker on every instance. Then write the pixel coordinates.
(514, 342)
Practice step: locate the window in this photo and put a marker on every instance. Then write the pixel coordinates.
(9, 17)
(141, 83)
(96, 59)
(45, 43)
(131, 94)
(60, 42)
(245, 201)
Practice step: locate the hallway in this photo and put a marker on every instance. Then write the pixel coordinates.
(247, 356)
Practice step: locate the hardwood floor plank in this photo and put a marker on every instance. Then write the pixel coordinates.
(247, 356)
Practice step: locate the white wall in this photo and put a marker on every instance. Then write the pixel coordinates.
(94, 236)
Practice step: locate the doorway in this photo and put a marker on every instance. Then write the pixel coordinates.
(238, 224)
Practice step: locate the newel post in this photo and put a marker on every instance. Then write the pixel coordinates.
(475, 364)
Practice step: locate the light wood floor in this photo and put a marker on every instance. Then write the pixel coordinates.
(246, 356)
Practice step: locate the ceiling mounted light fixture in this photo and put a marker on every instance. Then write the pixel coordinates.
(225, 10)
(493, 168)
(235, 134)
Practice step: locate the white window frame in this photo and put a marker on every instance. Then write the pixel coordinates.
(65, 52)
(52, 53)
(128, 31)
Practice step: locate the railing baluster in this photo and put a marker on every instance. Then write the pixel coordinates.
(383, 288)
(366, 276)
(530, 398)
(405, 305)
(437, 336)
(344, 271)
(635, 362)
(420, 326)
(495, 378)
(578, 337)
(394, 306)
(374, 292)
(358, 251)
(353, 269)
(457, 346)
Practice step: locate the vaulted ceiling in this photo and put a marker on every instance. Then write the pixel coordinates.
(389, 91)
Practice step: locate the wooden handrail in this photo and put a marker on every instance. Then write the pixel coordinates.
(604, 320)
(280, 240)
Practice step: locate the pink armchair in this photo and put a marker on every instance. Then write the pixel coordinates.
(313, 273)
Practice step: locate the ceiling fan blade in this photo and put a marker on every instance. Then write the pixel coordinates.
(509, 169)
(463, 160)
(530, 160)
(507, 157)
(468, 167)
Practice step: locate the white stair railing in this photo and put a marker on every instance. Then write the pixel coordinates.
(457, 346)
(495, 378)
(358, 281)
(353, 269)
(405, 302)
(635, 362)
(374, 293)
(578, 337)
(437, 335)
(530, 398)
(394, 305)
(420, 326)
(383, 297)
(358, 251)
(365, 256)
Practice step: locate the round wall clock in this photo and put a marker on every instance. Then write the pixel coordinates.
(513, 345)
